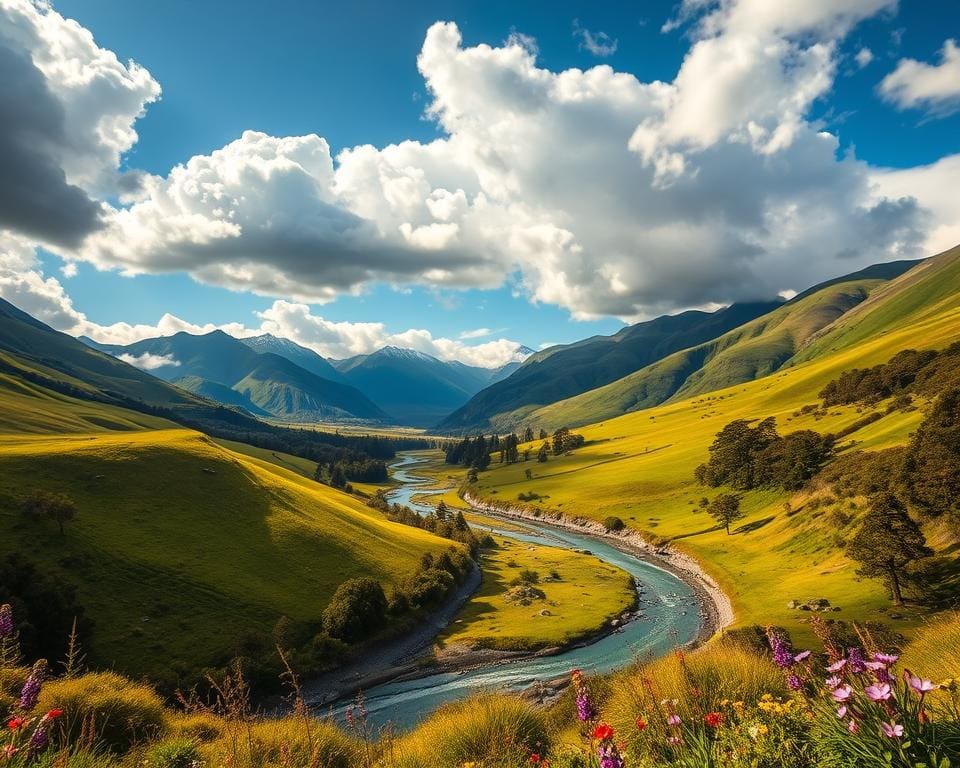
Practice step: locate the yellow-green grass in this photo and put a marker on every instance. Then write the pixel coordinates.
(587, 594)
(640, 467)
(298, 464)
(180, 547)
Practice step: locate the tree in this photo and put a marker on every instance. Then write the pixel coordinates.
(337, 477)
(442, 512)
(528, 435)
(543, 453)
(357, 609)
(528, 474)
(931, 469)
(725, 509)
(53, 506)
(887, 542)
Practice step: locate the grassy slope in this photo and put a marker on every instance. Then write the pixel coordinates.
(588, 593)
(639, 466)
(751, 351)
(173, 563)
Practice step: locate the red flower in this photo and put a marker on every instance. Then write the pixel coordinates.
(534, 758)
(713, 719)
(16, 723)
(641, 724)
(603, 732)
(53, 714)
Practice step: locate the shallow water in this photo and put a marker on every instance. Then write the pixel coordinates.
(670, 618)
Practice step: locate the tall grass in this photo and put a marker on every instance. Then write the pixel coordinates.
(935, 649)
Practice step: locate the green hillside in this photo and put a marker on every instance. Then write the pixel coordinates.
(214, 362)
(564, 371)
(640, 466)
(748, 352)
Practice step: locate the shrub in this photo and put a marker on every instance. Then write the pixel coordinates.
(357, 609)
(292, 742)
(173, 753)
(489, 730)
(121, 712)
(614, 524)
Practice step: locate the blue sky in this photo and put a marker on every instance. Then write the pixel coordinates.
(348, 73)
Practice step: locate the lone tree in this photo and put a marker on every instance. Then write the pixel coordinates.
(725, 509)
(887, 542)
(54, 506)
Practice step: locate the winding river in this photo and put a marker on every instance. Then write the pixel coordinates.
(669, 608)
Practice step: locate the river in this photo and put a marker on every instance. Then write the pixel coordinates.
(670, 618)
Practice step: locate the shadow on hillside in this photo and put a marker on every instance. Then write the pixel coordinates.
(756, 525)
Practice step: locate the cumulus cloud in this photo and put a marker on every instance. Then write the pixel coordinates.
(68, 110)
(598, 43)
(932, 87)
(149, 362)
(587, 189)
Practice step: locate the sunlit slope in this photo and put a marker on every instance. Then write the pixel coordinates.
(640, 468)
(181, 547)
(749, 352)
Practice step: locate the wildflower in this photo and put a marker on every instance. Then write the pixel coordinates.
(38, 740)
(641, 724)
(886, 658)
(802, 656)
(892, 730)
(794, 683)
(674, 719)
(534, 758)
(53, 714)
(9, 751)
(842, 693)
(833, 682)
(920, 686)
(584, 708)
(780, 646)
(603, 732)
(16, 723)
(713, 719)
(878, 692)
(6, 620)
(837, 665)
(674, 740)
(852, 726)
(31, 688)
(856, 661)
(842, 711)
(758, 730)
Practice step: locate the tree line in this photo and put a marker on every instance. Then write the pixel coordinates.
(474, 452)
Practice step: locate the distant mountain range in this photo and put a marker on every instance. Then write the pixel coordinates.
(232, 372)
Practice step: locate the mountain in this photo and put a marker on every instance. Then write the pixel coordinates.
(305, 358)
(563, 371)
(748, 352)
(414, 387)
(211, 363)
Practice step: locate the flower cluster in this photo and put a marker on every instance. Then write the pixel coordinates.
(585, 709)
(795, 664)
(607, 751)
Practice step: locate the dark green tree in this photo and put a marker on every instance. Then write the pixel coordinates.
(53, 506)
(887, 542)
(357, 609)
(543, 453)
(442, 512)
(931, 470)
(725, 509)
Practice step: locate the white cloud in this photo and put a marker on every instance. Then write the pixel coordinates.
(598, 43)
(933, 87)
(589, 189)
(863, 57)
(476, 333)
(149, 362)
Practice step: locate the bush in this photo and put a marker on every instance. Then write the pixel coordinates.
(291, 742)
(122, 712)
(357, 609)
(489, 730)
(173, 753)
(614, 524)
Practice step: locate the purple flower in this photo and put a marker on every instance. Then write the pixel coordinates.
(858, 664)
(837, 665)
(782, 652)
(6, 620)
(31, 688)
(886, 658)
(842, 711)
(833, 682)
(802, 656)
(674, 719)
(609, 756)
(918, 684)
(39, 739)
(892, 730)
(879, 670)
(878, 692)
(842, 693)
(584, 710)
(794, 683)
(852, 726)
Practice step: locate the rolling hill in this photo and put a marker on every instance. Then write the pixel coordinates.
(212, 363)
(750, 351)
(639, 466)
(417, 389)
(560, 372)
